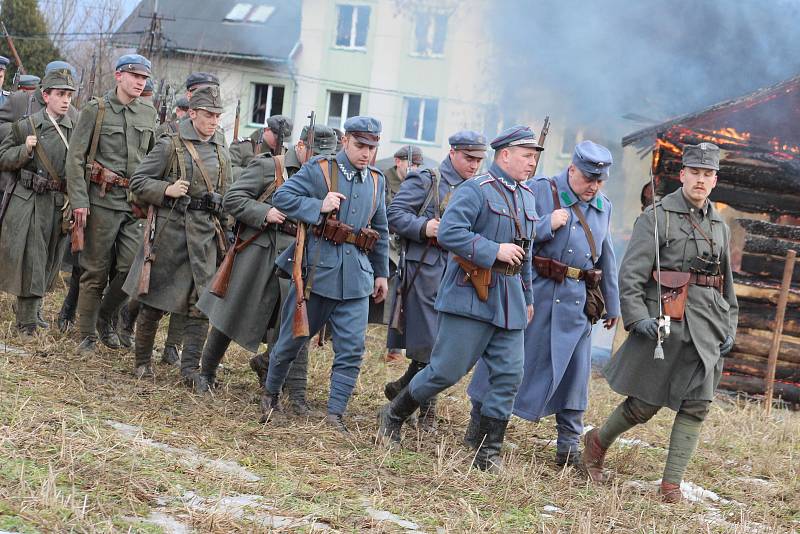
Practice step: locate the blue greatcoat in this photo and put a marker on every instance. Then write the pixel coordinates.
(558, 340)
(342, 279)
(477, 220)
(424, 264)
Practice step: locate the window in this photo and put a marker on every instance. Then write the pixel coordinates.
(342, 106)
(248, 13)
(421, 117)
(267, 101)
(351, 28)
(430, 32)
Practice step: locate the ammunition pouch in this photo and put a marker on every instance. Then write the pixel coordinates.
(287, 227)
(338, 232)
(366, 239)
(39, 184)
(212, 202)
(106, 178)
(550, 268)
(592, 278)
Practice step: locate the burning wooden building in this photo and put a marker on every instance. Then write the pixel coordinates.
(758, 191)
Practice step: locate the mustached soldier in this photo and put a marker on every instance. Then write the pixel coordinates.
(251, 306)
(33, 239)
(414, 214)
(694, 250)
(182, 179)
(485, 300)
(113, 134)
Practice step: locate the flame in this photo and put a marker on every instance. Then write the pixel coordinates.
(728, 138)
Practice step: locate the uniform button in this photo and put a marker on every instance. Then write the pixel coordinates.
(588, 254)
(353, 210)
(569, 251)
(573, 228)
(355, 195)
(577, 302)
(558, 301)
(347, 252)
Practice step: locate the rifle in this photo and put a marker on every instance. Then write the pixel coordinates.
(542, 137)
(398, 316)
(309, 140)
(162, 105)
(149, 253)
(237, 119)
(300, 321)
(92, 77)
(10, 41)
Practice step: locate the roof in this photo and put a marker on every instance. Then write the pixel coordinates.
(771, 112)
(256, 30)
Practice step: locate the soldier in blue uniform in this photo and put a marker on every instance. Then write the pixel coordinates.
(340, 278)
(485, 300)
(558, 342)
(414, 215)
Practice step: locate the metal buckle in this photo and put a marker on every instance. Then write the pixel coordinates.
(574, 273)
(510, 269)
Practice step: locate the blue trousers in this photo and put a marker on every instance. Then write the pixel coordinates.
(348, 324)
(460, 342)
(569, 424)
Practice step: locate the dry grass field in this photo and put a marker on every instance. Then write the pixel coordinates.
(86, 448)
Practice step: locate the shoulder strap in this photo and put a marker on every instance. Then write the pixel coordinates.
(511, 211)
(101, 111)
(588, 231)
(280, 170)
(42, 155)
(179, 159)
(375, 178)
(554, 190)
(197, 161)
(434, 190)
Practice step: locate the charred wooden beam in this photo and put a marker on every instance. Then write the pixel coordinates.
(761, 290)
(765, 265)
(759, 369)
(768, 229)
(761, 316)
(759, 345)
(754, 386)
(759, 244)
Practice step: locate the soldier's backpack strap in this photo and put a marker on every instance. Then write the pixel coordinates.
(433, 194)
(331, 174)
(42, 155)
(587, 230)
(190, 148)
(554, 190)
(375, 178)
(101, 112)
(281, 175)
(178, 162)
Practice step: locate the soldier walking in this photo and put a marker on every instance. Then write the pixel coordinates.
(113, 134)
(33, 237)
(346, 261)
(269, 139)
(572, 253)
(182, 179)
(414, 215)
(693, 241)
(485, 299)
(249, 313)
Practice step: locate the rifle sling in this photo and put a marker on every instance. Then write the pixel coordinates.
(240, 245)
(101, 111)
(511, 210)
(581, 219)
(433, 194)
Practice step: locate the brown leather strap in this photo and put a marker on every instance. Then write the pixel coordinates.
(280, 169)
(511, 210)
(42, 155)
(98, 122)
(587, 230)
(702, 233)
(199, 163)
(554, 190)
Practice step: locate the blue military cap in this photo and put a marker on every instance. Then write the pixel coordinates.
(366, 129)
(470, 142)
(4, 61)
(133, 63)
(516, 136)
(149, 88)
(28, 81)
(592, 160)
(182, 103)
(60, 65)
(201, 78)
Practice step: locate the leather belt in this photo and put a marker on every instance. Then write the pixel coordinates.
(43, 185)
(286, 227)
(707, 280)
(106, 178)
(506, 268)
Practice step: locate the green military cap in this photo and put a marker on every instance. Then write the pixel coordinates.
(280, 125)
(324, 139)
(58, 79)
(703, 156)
(207, 98)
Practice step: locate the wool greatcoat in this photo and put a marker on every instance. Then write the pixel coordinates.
(31, 241)
(692, 365)
(185, 242)
(425, 263)
(253, 297)
(558, 341)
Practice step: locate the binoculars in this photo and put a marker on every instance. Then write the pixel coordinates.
(524, 243)
(707, 264)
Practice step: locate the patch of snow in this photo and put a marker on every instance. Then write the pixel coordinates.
(5, 347)
(168, 524)
(551, 508)
(389, 517)
(189, 457)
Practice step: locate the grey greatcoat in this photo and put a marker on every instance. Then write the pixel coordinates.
(185, 242)
(692, 365)
(425, 263)
(31, 241)
(252, 301)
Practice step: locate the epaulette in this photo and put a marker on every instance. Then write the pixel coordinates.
(484, 179)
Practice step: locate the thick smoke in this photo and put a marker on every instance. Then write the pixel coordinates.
(596, 61)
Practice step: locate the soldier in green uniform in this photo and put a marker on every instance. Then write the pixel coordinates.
(270, 139)
(33, 238)
(183, 178)
(693, 241)
(3, 66)
(248, 312)
(113, 134)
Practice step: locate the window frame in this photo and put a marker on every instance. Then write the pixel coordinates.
(268, 107)
(353, 27)
(421, 126)
(431, 38)
(345, 106)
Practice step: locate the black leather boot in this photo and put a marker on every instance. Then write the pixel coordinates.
(471, 435)
(271, 410)
(216, 345)
(392, 416)
(391, 389)
(491, 433)
(66, 316)
(195, 332)
(146, 327)
(427, 416)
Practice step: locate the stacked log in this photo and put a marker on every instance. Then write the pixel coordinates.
(758, 250)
